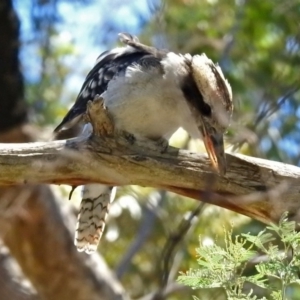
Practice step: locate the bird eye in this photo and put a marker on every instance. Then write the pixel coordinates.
(206, 110)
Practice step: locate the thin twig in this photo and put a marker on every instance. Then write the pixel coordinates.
(171, 245)
(145, 229)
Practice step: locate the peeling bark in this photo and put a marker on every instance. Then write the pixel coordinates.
(31, 221)
(32, 225)
(254, 187)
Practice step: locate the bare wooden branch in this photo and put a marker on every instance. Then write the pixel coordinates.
(255, 187)
(35, 229)
(44, 247)
(273, 186)
(13, 284)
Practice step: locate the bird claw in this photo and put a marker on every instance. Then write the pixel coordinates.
(72, 190)
(129, 137)
(162, 145)
(159, 145)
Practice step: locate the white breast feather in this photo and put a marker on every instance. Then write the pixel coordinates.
(147, 103)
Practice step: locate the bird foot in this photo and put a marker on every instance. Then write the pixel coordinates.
(162, 145)
(129, 137)
(158, 145)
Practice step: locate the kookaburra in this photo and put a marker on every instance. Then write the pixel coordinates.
(150, 93)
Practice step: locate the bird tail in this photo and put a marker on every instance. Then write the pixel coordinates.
(94, 207)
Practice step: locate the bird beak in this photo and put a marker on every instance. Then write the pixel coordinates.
(214, 145)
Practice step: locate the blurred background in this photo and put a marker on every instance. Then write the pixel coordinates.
(46, 49)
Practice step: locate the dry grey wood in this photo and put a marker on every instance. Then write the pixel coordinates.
(13, 284)
(39, 234)
(44, 247)
(255, 187)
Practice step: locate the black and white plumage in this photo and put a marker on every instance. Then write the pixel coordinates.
(111, 65)
(151, 93)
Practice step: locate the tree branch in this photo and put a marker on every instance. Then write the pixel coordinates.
(44, 247)
(13, 284)
(114, 161)
(252, 186)
(39, 233)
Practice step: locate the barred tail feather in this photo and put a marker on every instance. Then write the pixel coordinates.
(96, 199)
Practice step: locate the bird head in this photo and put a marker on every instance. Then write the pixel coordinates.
(213, 107)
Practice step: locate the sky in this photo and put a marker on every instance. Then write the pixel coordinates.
(84, 26)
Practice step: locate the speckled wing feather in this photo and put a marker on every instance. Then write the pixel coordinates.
(96, 198)
(109, 65)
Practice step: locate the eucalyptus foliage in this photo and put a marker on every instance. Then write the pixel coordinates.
(224, 267)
